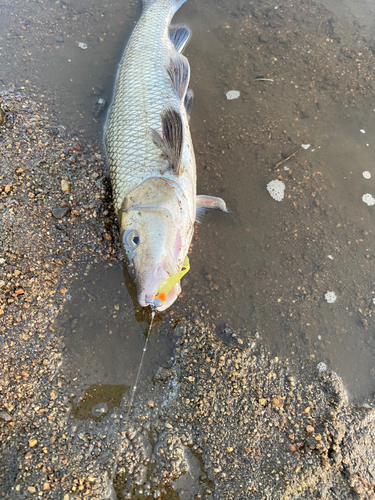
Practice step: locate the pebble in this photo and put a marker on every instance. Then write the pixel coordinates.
(66, 185)
(60, 212)
(2, 116)
(5, 416)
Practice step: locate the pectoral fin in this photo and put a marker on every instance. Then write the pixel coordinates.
(171, 139)
(205, 203)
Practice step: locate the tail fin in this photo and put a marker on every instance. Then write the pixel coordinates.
(175, 3)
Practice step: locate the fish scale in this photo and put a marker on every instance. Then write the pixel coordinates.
(143, 89)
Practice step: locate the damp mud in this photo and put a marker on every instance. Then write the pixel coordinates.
(256, 383)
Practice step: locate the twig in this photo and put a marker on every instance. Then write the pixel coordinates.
(319, 27)
(286, 159)
(261, 79)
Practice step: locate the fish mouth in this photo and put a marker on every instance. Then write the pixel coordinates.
(169, 299)
(149, 299)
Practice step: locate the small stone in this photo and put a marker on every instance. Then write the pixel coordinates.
(262, 401)
(24, 374)
(66, 185)
(46, 486)
(276, 402)
(32, 443)
(60, 212)
(2, 116)
(32, 489)
(59, 39)
(229, 449)
(309, 428)
(5, 416)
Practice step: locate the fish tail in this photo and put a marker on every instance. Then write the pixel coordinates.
(176, 4)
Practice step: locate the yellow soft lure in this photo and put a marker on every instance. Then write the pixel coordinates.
(167, 285)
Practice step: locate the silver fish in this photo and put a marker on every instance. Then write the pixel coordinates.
(151, 155)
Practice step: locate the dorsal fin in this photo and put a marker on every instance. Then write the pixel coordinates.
(171, 139)
(179, 73)
(189, 97)
(179, 35)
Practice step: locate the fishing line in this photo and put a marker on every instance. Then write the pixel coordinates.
(141, 363)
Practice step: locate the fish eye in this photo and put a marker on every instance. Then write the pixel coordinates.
(131, 239)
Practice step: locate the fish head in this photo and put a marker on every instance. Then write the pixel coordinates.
(153, 242)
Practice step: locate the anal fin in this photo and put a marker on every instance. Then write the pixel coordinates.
(179, 35)
(206, 203)
(179, 73)
(171, 140)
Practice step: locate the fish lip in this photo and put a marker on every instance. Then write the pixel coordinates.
(142, 300)
(147, 294)
(171, 297)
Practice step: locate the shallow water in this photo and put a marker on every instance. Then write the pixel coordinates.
(265, 268)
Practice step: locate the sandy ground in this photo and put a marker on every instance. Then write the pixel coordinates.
(228, 419)
(228, 409)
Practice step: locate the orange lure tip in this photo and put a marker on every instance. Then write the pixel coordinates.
(162, 296)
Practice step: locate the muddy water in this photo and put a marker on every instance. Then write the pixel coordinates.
(263, 270)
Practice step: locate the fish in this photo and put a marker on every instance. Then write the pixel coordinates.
(151, 156)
